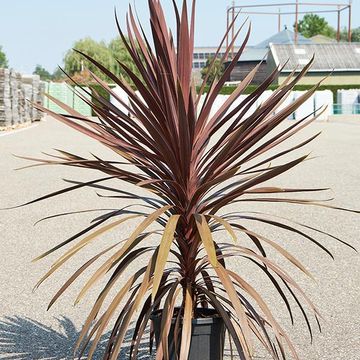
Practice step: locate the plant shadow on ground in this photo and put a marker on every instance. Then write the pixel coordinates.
(22, 338)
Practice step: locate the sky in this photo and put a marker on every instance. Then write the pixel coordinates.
(41, 31)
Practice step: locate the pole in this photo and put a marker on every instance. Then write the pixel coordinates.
(279, 20)
(338, 26)
(227, 29)
(349, 25)
(296, 20)
(233, 29)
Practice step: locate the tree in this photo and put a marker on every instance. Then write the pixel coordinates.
(313, 24)
(58, 75)
(3, 59)
(107, 55)
(42, 72)
(216, 71)
(76, 63)
(120, 54)
(355, 34)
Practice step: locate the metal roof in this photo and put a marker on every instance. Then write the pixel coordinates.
(283, 37)
(206, 49)
(328, 57)
(321, 39)
(253, 54)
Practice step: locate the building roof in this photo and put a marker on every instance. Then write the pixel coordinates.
(206, 49)
(328, 57)
(283, 37)
(322, 39)
(253, 54)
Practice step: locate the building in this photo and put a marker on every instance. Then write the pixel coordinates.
(285, 36)
(201, 55)
(258, 54)
(250, 58)
(322, 39)
(341, 60)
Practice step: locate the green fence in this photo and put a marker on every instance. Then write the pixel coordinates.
(69, 96)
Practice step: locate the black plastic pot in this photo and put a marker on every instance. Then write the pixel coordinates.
(207, 336)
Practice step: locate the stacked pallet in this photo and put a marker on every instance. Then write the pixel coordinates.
(5, 99)
(17, 93)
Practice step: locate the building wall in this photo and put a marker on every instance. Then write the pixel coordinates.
(243, 68)
(271, 66)
(202, 54)
(338, 78)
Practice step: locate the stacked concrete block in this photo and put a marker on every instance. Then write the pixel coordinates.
(219, 101)
(27, 102)
(19, 114)
(263, 97)
(5, 99)
(306, 109)
(15, 88)
(36, 97)
(17, 93)
(119, 98)
(348, 97)
(324, 101)
(348, 100)
(44, 89)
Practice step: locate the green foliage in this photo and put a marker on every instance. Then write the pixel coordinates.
(355, 34)
(3, 59)
(216, 71)
(313, 24)
(75, 62)
(120, 54)
(97, 90)
(108, 55)
(42, 72)
(58, 75)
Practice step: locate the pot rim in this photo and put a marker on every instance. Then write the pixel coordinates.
(196, 321)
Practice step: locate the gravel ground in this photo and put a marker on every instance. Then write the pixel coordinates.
(28, 331)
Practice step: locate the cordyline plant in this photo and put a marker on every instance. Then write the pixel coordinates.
(195, 162)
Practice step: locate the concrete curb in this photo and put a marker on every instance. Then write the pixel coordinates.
(15, 131)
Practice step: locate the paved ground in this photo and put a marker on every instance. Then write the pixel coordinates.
(26, 327)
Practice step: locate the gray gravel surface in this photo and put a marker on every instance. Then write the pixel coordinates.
(28, 331)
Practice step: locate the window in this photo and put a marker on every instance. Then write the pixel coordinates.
(201, 56)
(196, 65)
(196, 55)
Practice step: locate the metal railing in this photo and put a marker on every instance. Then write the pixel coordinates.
(346, 109)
